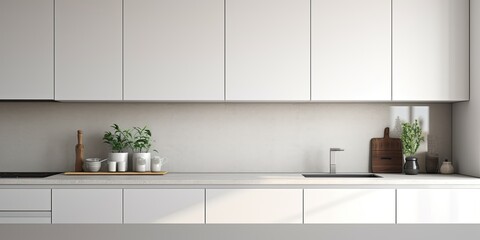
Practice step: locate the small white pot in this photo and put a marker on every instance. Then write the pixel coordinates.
(119, 157)
(139, 156)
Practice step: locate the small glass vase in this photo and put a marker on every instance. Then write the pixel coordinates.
(411, 166)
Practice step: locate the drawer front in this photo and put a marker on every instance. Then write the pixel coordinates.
(25, 199)
(438, 206)
(349, 206)
(254, 206)
(87, 206)
(164, 205)
(25, 217)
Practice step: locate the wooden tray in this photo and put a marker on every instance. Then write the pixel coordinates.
(116, 173)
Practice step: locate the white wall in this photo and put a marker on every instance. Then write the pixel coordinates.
(466, 116)
(213, 137)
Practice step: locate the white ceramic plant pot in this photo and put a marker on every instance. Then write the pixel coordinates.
(137, 157)
(119, 157)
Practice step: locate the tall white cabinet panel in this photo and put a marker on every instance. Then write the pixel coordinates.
(174, 50)
(267, 50)
(349, 206)
(351, 50)
(87, 205)
(26, 49)
(88, 50)
(254, 206)
(430, 50)
(164, 205)
(438, 205)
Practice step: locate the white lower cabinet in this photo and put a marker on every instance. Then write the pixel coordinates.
(25, 200)
(349, 205)
(25, 206)
(87, 205)
(240, 206)
(254, 206)
(438, 206)
(164, 206)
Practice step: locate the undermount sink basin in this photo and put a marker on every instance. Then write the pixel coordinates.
(340, 175)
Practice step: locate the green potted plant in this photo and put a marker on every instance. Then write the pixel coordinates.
(411, 138)
(141, 141)
(119, 141)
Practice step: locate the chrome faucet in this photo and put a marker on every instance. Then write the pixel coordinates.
(333, 164)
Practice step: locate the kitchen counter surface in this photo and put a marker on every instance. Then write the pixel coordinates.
(294, 179)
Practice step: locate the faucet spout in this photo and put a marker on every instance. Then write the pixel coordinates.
(333, 163)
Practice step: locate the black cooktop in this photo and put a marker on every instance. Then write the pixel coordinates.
(26, 174)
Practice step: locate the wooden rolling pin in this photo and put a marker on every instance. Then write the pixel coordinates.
(79, 152)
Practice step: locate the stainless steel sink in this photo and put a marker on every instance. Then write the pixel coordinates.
(340, 175)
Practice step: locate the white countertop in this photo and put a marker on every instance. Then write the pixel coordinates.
(198, 179)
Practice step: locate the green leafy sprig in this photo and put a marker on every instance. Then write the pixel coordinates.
(119, 139)
(141, 140)
(411, 138)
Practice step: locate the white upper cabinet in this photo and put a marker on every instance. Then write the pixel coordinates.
(26, 49)
(430, 50)
(268, 50)
(88, 50)
(351, 50)
(174, 50)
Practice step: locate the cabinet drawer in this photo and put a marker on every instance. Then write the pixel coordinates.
(349, 205)
(164, 205)
(254, 206)
(25, 199)
(438, 205)
(25, 217)
(87, 206)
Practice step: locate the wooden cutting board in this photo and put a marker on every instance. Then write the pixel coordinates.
(116, 173)
(386, 154)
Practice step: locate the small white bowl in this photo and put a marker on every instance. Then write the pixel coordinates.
(92, 166)
(92, 160)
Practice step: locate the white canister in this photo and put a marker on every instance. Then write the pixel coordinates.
(122, 166)
(119, 157)
(145, 157)
(140, 164)
(157, 163)
(112, 166)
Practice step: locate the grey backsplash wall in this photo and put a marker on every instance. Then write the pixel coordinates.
(215, 137)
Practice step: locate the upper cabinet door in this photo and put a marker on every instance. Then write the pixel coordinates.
(26, 49)
(174, 50)
(351, 50)
(430, 50)
(88, 50)
(268, 50)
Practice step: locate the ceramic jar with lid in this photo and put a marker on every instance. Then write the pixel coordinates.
(447, 167)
